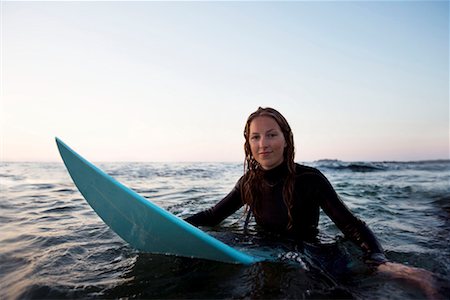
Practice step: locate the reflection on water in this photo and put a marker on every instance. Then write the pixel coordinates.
(54, 246)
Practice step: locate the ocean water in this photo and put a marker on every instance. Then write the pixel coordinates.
(52, 244)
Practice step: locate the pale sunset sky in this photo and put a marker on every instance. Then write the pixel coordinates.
(176, 81)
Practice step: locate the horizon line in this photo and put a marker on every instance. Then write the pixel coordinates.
(236, 162)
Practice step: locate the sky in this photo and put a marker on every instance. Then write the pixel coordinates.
(176, 81)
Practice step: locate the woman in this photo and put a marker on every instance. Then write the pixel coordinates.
(286, 197)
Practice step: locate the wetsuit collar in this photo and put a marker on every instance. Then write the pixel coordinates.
(276, 173)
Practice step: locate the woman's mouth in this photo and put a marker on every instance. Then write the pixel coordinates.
(265, 153)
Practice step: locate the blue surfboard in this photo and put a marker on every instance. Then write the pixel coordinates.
(144, 225)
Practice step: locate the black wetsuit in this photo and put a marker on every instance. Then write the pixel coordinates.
(312, 191)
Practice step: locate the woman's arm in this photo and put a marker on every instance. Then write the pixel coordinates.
(360, 233)
(213, 216)
(352, 227)
(416, 277)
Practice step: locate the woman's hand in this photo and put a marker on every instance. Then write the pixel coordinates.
(419, 277)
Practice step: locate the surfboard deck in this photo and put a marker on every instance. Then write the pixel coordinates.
(141, 223)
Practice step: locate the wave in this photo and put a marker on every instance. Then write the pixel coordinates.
(367, 166)
(351, 166)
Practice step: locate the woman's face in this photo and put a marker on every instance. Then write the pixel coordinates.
(267, 142)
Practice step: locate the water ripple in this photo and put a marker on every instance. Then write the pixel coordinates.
(53, 245)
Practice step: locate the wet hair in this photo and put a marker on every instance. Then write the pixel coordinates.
(252, 185)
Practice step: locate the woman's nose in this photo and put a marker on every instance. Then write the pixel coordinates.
(263, 142)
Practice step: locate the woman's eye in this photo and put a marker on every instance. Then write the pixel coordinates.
(254, 138)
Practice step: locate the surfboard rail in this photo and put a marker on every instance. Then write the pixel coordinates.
(141, 223)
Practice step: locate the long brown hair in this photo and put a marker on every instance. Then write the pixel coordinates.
(252, 184)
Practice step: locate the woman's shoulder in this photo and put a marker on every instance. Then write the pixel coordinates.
(311, 175)
(303, 169)
(307, 171)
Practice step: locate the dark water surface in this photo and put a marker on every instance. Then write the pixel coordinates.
(52, 244)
